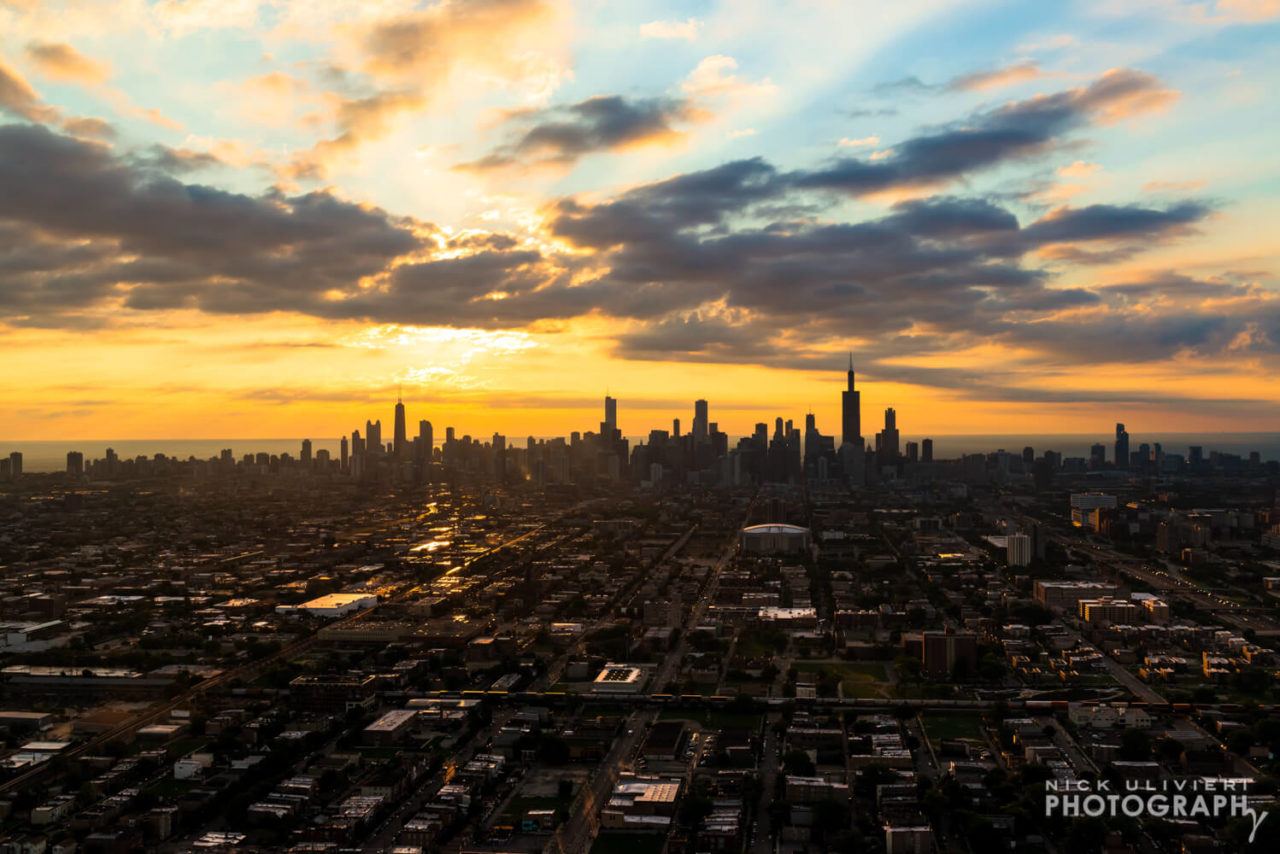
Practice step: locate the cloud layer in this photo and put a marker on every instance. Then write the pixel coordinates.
(561, 135)
(746, 261)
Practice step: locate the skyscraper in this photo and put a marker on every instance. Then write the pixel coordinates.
(427, 434)
(926, 451)
(851, 412)
(1018, 550)
(699, 422)
(401, 437)
(305, 454)
(610, 415)
(889, 442)
(1122, 447)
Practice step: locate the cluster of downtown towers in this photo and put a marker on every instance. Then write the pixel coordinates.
(702, 455)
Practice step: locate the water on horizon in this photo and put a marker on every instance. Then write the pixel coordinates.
(46, 456)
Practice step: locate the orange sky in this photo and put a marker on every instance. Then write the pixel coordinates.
(265, 219)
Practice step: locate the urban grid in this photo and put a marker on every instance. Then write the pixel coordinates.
(579, 645)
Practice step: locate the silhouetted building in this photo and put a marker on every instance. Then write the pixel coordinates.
(401, 434)
(887, 441)
(948, 653)
(699, 422)
(427, 437)
(851, 412)
(610, 414)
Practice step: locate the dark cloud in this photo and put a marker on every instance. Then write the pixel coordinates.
(488, 288)
(564, 134)
(1110, 222)
(1124, 336)
(173, 161)
(1178, 286)
(654, 212)
(959, 267)
(695, 338)
(1016, 131)
(174, 244)
(740, 262)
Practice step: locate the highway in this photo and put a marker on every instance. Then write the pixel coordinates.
(1171, 584)
(1123, 675)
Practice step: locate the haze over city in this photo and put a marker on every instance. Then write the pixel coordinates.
(262, 218)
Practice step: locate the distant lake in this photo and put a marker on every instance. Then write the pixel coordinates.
(52, 455)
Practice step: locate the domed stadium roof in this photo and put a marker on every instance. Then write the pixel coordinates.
(774, 528)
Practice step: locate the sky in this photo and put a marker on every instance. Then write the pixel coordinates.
(255, 218)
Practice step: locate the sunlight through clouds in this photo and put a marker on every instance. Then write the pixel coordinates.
(352, 194)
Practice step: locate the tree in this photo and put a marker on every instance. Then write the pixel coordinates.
(553, 750)
(1204, 694)
(1135, 745)
(695, 808)
(991, 669)
(830, 816)
(797, 763)
(1240, 741)
(1169, 749)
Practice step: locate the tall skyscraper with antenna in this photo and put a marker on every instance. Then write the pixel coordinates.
(401, 437)
(851, 412)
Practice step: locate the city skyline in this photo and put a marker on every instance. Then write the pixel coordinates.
(789, 454)
(1017, 217)
(660, 426)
